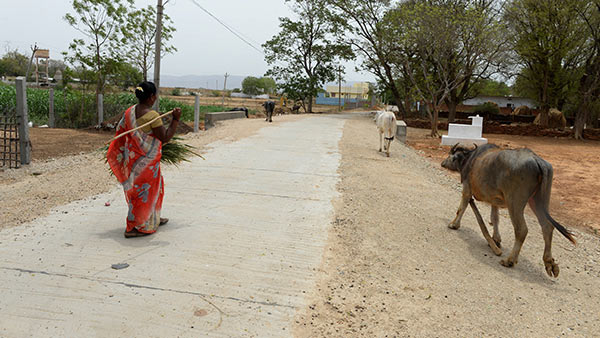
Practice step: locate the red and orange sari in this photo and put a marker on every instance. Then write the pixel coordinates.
(135, 161)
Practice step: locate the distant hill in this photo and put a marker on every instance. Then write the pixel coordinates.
(210, 81)
(201, 81)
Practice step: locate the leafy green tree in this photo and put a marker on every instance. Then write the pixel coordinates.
(490, 87)
(549, 42)
(589, 82)
(13, 63)
(251, 86)
(305, 55)
(140, 33)
(124, 75)
(366, 31)
(99, 21)
(443, 47)
(267, 85)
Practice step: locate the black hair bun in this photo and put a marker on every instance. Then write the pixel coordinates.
(144, 91)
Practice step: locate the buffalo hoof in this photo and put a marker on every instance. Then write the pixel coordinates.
(388, 155)
(507, 263)
(379, 149)
(497, 251)
(454, 226)
(552, 268)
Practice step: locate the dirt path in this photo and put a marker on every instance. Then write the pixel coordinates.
(393, 268)
(33, 190)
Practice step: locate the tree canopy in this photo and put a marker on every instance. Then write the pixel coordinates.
(305, 54)
(256, 86)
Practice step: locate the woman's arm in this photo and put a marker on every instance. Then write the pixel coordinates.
(165, 135)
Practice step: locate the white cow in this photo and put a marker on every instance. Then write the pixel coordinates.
(386, 125)
(377, 113)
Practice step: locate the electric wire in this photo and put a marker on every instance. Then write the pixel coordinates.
(239, 35)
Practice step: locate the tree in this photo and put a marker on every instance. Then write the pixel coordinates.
(13, 63)
(267, 85)
(480, 50)
(304, 55)
(489, 87)
(251, 86)
(589, 82)
(140, 33)
(548, 38)
(436, 44)
(99, 21)
(124, 75)
(366, 31)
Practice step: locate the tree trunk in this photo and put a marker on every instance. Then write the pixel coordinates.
(451, 110)
(310, 104)
(433, 117)
(407, 107)
(398, 99)
(545, 106)
(580, 119)
(434, 123)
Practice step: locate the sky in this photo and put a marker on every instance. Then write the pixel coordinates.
(204, 46)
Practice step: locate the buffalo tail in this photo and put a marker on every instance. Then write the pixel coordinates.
(542, 198)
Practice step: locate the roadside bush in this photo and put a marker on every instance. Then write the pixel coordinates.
(487, 109)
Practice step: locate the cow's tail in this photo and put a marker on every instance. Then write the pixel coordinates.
(541, 198)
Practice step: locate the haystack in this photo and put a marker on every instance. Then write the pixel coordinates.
(556, 119)
(522, 110)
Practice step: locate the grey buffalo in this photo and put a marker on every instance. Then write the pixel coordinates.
(507, 179)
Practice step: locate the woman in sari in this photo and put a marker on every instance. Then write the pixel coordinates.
(135, 161)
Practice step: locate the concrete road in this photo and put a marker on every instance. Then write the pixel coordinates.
(247, 232)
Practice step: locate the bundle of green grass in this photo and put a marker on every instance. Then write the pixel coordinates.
(173, 152)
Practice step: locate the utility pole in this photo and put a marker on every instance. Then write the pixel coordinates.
(157, 43)
(340, 88)
(33, 50)
(224, 89)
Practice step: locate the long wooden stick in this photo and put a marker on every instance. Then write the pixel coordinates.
(140, 127)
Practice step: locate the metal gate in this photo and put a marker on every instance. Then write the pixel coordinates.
(10, 152)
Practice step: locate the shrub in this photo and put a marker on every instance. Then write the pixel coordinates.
(486, 109)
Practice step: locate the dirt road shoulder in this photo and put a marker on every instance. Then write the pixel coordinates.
(393, 268)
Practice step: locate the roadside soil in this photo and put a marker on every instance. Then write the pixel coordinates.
(576, 184)
(68, 166)
(393, 268)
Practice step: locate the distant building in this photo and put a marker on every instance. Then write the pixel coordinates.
(359, 90)
(502, 101)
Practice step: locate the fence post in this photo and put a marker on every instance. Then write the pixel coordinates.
(197, 114)
(23, 120)
(100, 109)
(51, 121)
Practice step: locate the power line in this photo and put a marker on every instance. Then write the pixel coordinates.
(231, 29)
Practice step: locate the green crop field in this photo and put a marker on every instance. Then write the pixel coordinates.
(76, 109)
